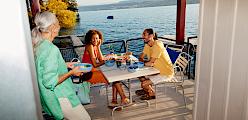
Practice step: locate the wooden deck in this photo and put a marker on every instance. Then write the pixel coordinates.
(170, 105)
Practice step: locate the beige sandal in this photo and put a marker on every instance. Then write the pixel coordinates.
(125, 101)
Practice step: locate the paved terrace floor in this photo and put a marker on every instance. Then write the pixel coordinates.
(170, 105)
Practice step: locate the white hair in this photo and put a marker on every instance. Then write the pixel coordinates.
(42, 22)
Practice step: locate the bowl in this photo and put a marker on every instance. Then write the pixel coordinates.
(123, 67)
(109, 63)
(119, 54)
(139, 64)
(85, 67)
(132, 68)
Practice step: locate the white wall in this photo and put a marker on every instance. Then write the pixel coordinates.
(222, 75)
(19, 99)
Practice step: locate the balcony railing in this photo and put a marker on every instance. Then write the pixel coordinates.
(132, 45)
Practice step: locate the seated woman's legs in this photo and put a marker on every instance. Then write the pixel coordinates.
(118, 87)
(114, 94)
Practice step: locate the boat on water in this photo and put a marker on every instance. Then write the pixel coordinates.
(110, 17)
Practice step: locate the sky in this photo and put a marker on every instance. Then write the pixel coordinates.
(96, 2)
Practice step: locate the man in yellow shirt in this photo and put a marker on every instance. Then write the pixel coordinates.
(158, 58)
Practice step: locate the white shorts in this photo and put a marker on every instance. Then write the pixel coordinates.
(76, 113)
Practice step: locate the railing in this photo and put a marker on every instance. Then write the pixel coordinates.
(133, 45)
(65, 47)
(113, 47)
(68, 53)
(192, 51)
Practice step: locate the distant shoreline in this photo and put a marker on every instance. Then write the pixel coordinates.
(81, 10)
(133, 4)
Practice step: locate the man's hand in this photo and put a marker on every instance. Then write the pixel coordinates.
(141, 60)
(150, 64)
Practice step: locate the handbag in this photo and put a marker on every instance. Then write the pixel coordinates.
(82, 91)
(85, 77)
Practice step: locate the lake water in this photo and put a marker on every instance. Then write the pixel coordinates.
(130, 23)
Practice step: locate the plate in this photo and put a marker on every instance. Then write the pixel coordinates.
(85, 67)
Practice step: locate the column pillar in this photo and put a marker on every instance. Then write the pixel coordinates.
(180, 23)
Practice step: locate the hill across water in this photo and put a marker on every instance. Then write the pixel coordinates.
(133, 4)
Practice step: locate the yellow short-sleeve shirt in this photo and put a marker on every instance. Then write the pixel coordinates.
(163, 62)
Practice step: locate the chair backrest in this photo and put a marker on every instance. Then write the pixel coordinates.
(178, 48)
(182, 61)
(180, 66)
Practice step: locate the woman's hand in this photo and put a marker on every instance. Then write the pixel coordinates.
(70, 64)
(76, 71)
(99, 43)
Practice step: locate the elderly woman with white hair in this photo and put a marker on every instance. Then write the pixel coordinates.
(57, 95)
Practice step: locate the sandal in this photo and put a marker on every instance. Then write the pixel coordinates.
(140, 92)
(147, 97)
(125, 101)
(114, 104)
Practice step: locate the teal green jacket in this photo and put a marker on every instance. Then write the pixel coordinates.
(49, 66)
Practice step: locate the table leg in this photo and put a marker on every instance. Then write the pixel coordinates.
(130, 91)
(107, 93)
(115, 108)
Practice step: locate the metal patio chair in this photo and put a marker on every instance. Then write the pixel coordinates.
(178, 48)
(180, 66)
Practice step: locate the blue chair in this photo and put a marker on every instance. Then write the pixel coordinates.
(173, 54)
